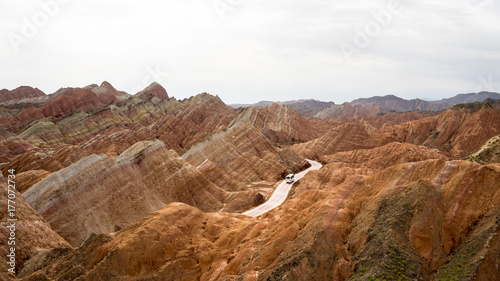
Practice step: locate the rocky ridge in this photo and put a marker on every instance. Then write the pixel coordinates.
(457, 132)
(415, 217)
(392, 201)
(19, 94)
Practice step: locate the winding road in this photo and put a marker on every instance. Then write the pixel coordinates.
(281, 192)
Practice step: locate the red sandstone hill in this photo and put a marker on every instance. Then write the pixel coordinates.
(19, 94)
(64, 103)
(106, 89)
(179, 124)
(281, 124)
(32, 232)
(88, 196)
(112, 89)
(11, 145)
(148, 187)
(75, 99)
(426, 220)
(457, 132)
(155, 90)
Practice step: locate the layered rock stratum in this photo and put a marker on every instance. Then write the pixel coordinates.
(428, 219)
(32, 233)
(113, 186)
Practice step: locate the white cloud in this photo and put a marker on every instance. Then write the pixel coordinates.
(273, 50)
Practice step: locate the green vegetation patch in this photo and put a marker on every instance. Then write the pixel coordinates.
(472, 106)
(465, 261)
(388, 253)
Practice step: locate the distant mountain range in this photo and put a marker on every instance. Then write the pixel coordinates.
(394, 103)
(374, 105)
(472, 97)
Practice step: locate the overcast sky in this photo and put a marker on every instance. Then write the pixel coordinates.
(251, 50)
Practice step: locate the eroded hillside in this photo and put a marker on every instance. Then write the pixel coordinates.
(148, 187)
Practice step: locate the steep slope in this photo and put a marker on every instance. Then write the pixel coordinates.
(243, 153)
(341, 166)
(11, 145)
(26, 179)
(33, 104)
(457, 132)
(181, 125)
(396, 118)
(107, 89)
(383, 157)
(422, 220)
(66, 102)
(31, 233)
(207, 114)
(114, 128)
(346, 137)
(280, 124)
(90, 195)
(489, 153)
(155, 90)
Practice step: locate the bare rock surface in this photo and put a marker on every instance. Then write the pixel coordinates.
(30, 230)
(418, 219)
(147, 187)
(19, 94)
(143, 178)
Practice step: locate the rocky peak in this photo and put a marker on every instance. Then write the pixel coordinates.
(204, 99)
(109, 92)
(20, 93)
(155, 90)
(111, 89)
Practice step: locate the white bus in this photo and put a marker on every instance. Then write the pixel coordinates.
(290, 178)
